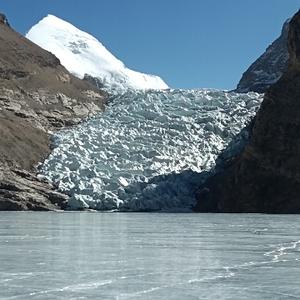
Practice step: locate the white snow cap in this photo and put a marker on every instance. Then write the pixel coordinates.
(81, 53)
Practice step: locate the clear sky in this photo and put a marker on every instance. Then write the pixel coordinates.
(189, 43)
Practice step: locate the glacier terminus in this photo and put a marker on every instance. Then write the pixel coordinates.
(149, 149)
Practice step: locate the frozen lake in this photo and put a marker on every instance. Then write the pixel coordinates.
(149, 256)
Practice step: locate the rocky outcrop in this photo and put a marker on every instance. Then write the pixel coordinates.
(94, 81)
(3, 20)
(269, 67)
(21, 190)
(266, 176)
(37, 97)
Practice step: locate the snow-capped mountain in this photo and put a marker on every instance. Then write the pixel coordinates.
(82, 54)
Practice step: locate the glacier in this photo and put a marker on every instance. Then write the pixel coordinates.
(149, 150)
(82, 54)
(153, 146)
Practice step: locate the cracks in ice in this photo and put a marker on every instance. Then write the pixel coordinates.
(149, 150)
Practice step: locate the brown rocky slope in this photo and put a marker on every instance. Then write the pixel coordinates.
(266, 176)
(37, 96)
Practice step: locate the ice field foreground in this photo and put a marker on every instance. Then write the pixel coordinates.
(149, 150)
(132, 256)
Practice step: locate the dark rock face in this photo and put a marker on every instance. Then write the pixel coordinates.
(93, 81)
(37, 97)
(21, 190)
(3, 20)
(266, 176)
(269, 67)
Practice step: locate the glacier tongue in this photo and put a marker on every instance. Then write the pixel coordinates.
(148, 149)
(81, 54)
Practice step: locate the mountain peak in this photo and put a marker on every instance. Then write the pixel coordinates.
(82, 54)
(52, 20)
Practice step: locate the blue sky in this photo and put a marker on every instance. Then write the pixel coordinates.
(189, 43)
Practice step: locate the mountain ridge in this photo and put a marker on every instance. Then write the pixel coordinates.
(37, 96)
(265, 177)
(269, 67)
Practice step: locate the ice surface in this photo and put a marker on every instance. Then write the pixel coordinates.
(149, 256)
(149, 149)
(83, 54)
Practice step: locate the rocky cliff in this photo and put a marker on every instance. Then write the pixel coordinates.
(269, 67)
(37, 96)
(266, 176)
